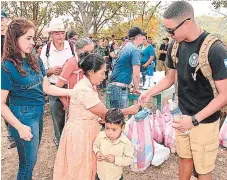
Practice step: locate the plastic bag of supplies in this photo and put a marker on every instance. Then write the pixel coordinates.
(139, 129)
(159, 127)
(223, 134)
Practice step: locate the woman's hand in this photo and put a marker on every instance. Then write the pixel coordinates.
(25, 132)
(65, 103)
(134, 109)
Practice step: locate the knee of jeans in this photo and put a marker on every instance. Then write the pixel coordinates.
(28, 165)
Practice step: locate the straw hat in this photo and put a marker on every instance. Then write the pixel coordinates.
(56, 25)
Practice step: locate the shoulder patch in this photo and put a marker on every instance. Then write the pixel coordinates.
(193, 60)
(225, 62)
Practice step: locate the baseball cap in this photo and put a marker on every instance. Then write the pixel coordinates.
(135, 31)
(83, 42)
(3, 14)
(71, 34)
(167, 39)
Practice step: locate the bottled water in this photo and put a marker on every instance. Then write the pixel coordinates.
(175, 111)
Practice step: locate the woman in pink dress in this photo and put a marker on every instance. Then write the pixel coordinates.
(75, 159)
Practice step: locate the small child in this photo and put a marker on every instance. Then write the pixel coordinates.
(112, 148)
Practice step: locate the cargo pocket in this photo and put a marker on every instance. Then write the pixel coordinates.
(197, 154)
(210, 154)
(178, 148)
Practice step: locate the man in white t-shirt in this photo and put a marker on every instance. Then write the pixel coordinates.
(54, 54)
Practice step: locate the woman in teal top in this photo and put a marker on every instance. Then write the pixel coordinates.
(24, 82)
(147, 57)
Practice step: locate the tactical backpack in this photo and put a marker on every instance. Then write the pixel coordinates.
(203, 64)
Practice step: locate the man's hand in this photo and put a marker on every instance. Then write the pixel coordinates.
(100, 156)
(56, 70)
(183, 123)
(110, 158)
(136, 91)
(144, 98)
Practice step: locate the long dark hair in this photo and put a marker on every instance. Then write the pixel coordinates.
(91, 62)
(11, 51)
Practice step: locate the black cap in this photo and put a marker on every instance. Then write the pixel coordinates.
(3, 14)
(167, 39)
(135, 31)
(71, 34)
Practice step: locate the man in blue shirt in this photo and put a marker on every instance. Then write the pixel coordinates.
(126, 69)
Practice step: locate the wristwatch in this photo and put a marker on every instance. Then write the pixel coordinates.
(195, 122)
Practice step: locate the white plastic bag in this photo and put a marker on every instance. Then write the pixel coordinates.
(223, 134)
(161, 154)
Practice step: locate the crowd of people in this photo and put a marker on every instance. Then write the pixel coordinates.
(72, 70)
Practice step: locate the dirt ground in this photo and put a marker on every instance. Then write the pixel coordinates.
(47, 152)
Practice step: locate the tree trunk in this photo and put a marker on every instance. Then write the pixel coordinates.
(95, 31)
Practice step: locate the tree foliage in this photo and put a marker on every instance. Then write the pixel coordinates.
(39, 12)
(92, 16)
(141, 14)
(217, 26)
(220, 4)
(88, 16)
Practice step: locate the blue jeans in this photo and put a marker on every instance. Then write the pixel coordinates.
(31, 116)
(58, 115)
(103, 84)
(117, 96)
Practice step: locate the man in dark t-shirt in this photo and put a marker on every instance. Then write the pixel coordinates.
(199, 107)
(162, 56)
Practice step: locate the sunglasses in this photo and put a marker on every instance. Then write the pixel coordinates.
(171, 30)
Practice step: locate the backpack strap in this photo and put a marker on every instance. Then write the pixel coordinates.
(72, 48)
(174, 53)
(204, 64)
(48, 53)
(48, 50)
(204, 35)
